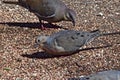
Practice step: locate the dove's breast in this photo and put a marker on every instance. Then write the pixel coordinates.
(53, 48)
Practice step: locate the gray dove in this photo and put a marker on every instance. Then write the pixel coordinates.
(65, 42)
(104, 75)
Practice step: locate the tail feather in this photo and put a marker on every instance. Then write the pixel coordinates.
(104, 34)
(95, 33)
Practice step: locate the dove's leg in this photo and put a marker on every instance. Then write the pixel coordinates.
(41, 24)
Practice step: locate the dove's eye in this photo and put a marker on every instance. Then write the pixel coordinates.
(38, 40)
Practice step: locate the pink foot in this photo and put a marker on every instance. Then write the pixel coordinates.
(43, 27)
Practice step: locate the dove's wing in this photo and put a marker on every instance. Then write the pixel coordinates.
(69, 40)
(42, 8)
(45, 8)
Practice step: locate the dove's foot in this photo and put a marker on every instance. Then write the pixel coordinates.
(46, 26)
(43, 27)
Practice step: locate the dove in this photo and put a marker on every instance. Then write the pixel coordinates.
(65, 42)
(104, 75)
(51, 11)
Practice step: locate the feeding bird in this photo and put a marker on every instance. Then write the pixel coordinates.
(65, 42)
(51, 11)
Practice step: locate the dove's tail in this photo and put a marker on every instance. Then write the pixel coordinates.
(98, 33)
(113, 33)
(95, 33)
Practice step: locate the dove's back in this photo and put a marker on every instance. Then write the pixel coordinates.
(47, 9)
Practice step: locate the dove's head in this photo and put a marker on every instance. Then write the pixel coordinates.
(40, 41)
(70, 15)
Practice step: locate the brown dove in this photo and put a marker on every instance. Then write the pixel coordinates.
(51, 10)
(65, 42)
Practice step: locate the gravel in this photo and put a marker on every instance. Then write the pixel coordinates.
(19, 60)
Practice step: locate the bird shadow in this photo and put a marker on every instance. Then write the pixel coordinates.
(43, 55)
(31, 25)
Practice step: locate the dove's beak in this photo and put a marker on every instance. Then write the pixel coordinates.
(36, 45)
(73, 21)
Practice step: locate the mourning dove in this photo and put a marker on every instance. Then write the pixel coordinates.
(104, 75)
(49, 10)
(65, 42)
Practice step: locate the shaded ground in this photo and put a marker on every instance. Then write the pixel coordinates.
(19, 60)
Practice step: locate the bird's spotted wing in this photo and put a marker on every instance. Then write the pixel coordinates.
(69, 40)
